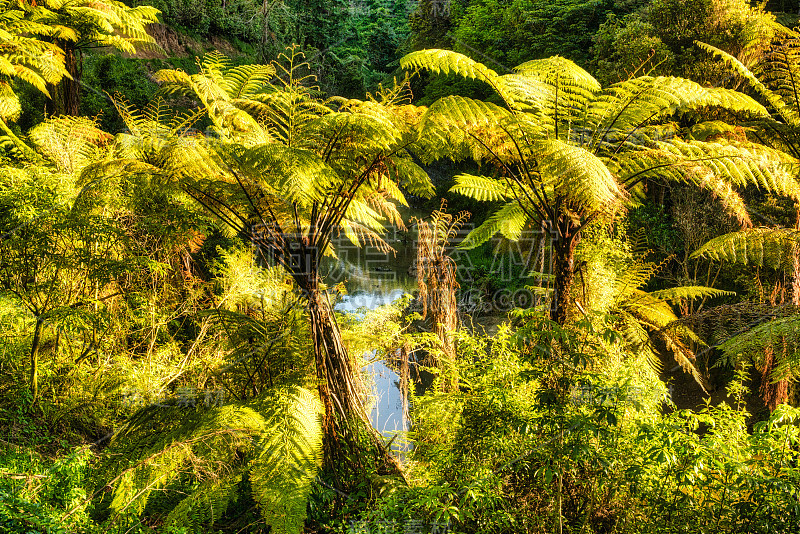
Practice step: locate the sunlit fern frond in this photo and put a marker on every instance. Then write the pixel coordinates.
(508, 221)
(744, 164)
(684, 357)
(288, 456)
(767, 247)
(203, 443)
(689, 293)
(456, 127)
(227, 94)
(10, 107)
(106, 23)
(716, 167)
(788, 113)
(298, 175)
(736, 102)
(458, 112)
(448, 62)
(481, 188)
(71, 142)
(410, 176)
(578, 175)
(25, 54)
(629, 105)
(275, 437)
(563, 92)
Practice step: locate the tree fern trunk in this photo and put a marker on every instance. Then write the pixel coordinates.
(349, 436)
(66, 97)
(337, 387)
(563, 270)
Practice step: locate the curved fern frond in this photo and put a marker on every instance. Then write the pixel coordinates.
(458, 112)
(564, 90)
(736, 102)
(286, 465)
(578, 175)
(410, 176)
(787, 112)
(770, 247)
(449, 62)
(689, 293)
(629, 105)
(480, 188)
(507, 221)
(658, 316)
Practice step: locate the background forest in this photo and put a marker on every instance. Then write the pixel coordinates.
(568, 232)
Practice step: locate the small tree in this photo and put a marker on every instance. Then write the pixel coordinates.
(55, 252)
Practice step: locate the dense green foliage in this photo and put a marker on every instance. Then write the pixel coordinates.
(606, 343)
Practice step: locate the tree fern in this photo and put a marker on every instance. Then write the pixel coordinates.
(304, 169)
(572, 151)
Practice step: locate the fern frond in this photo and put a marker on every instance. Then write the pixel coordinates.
(458, 112)
(736, 102)
(449, 62)
(629, 105)
(507, 221)
(564, 90)
(10, 107)
(276, 437)
(770, 247)
(410, 176)
(70, 142)
(788, 113)
(286, 466)
(689, 293)
(781, 334)
(578, 175)
(480, 188)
